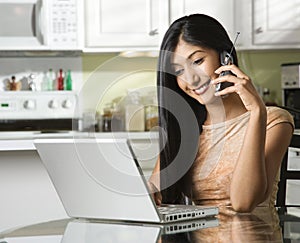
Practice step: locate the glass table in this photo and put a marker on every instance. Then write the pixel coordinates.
(262, 225)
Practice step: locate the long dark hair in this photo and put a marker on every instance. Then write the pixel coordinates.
(180, 116)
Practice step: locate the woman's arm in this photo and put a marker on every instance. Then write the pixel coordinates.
(249, 179)
(258, 164)
(262, 151)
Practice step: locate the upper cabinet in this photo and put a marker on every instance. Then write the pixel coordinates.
(125, 24)
(222, 10)
(114, 25)
(268, 24)
(271, 24)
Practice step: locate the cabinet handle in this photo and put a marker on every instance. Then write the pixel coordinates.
(258, 30)
(153, 32)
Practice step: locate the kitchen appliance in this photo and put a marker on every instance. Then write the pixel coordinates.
(290, 83)
(41, 24)
(38, 111)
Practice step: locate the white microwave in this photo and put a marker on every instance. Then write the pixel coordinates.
(41, 24)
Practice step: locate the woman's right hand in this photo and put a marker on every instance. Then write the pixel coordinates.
(155, 193)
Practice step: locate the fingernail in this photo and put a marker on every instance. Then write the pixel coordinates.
(217, 93)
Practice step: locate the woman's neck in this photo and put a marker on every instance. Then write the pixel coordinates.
(224, 109)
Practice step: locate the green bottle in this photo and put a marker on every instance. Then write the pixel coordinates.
(68, 84)
(50, 79)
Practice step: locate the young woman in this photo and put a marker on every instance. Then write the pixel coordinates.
(219, 147)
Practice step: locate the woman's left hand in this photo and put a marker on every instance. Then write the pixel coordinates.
(242, 85)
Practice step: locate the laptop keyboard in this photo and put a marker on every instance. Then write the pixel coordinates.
(180, 212)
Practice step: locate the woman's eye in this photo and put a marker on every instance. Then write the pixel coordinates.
(178, 72)
(198, 61)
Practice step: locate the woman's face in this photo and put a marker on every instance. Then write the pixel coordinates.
(194, 67)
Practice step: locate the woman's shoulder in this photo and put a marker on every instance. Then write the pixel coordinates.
(277, 115)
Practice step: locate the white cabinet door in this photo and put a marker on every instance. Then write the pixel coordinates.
(130, 23)
(222, 10)
(276, 22)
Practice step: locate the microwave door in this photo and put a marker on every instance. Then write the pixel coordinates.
(21, 23)
(37, 22)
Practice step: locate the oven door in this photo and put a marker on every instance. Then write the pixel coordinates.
(291, 99)
(21, 24)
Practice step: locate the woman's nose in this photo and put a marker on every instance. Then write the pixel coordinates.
(193, 79)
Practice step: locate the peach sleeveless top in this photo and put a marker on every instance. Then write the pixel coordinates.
(219, 148)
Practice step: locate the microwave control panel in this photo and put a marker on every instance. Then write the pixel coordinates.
(64, 23)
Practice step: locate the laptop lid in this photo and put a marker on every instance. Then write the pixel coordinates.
(97, 178)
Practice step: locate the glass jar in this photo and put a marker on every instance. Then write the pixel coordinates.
(151, 113)
(134, 113)
(117, 120)
(151, 117)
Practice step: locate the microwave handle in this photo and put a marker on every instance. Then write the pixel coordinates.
(39, 23)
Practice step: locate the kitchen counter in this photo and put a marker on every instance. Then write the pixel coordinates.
(10, 141)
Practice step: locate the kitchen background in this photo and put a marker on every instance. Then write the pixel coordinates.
(110, 48)
(110, 52)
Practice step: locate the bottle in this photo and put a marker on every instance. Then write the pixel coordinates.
(134, 113)
(44, 84)
(60, 80)
(68, 81)
(13, 84)
(106, 119)
(50, 78)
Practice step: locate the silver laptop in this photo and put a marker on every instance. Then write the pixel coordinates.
(101, 179)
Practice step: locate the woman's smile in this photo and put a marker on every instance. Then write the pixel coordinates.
(202, 89)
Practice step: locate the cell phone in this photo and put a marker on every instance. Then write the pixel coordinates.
(225, 59)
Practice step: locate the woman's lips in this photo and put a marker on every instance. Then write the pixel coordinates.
(202, 89)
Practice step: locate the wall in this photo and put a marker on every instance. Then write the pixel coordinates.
(264, 68)
(107, 76)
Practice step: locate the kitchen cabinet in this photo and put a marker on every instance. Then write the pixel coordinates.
(222, 10)
(124, 24)
(264, 24)
(268, 24)
(272, 26)
(144, 23)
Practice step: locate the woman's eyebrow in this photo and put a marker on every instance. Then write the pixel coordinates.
(189, 56)
(192, 54)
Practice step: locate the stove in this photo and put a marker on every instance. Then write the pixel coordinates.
(38, 111)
